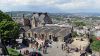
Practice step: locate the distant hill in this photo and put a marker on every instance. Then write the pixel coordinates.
(19, 13)
(16, 13)
(87, 14)
(58, 16)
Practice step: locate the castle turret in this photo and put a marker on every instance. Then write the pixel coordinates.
(40, 19)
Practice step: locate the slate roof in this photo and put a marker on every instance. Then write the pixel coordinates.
(24, 28)
(65, 31)
(51, 30)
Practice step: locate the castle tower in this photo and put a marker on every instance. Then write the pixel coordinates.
(40, 19)
(33, 21)
(22, 19)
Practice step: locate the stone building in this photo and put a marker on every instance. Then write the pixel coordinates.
(22, 21)
(49, 32)
(40, 28)
(35, 26)
(37, 20)
(40, 19)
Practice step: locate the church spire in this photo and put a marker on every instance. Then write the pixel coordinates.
(23, 16)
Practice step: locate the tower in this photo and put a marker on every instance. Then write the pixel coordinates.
(33, 21)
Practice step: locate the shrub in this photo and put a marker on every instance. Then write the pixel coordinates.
(95, 45)
(13, 52)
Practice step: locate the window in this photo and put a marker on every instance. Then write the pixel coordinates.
(35, 35)
(28, 34)
(50, 37)
(42, 36)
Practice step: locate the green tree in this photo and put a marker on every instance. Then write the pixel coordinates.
(78, 23)
(9, 29)
(4, 16)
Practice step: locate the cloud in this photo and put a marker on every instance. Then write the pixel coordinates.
(75, 4)
(62, 5)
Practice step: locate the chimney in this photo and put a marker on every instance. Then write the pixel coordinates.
(34, 13)
(39, 14)
(45, 13)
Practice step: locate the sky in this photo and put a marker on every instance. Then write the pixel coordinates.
(53, 6)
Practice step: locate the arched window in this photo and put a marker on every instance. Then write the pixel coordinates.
(28, 34)
(42, 36)
(50, 37)
(35, 35)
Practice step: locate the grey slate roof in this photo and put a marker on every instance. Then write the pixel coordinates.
(24, 28)
(51, 29)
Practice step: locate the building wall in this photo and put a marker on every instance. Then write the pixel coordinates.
(33, 23)
(40, 19)
(29, 34)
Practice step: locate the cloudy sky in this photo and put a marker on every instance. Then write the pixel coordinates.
(72, 6)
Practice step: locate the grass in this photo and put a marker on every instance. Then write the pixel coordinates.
(95, 45)
(13, 52)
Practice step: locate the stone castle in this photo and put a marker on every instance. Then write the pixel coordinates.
(37, 20)
(35, 27)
